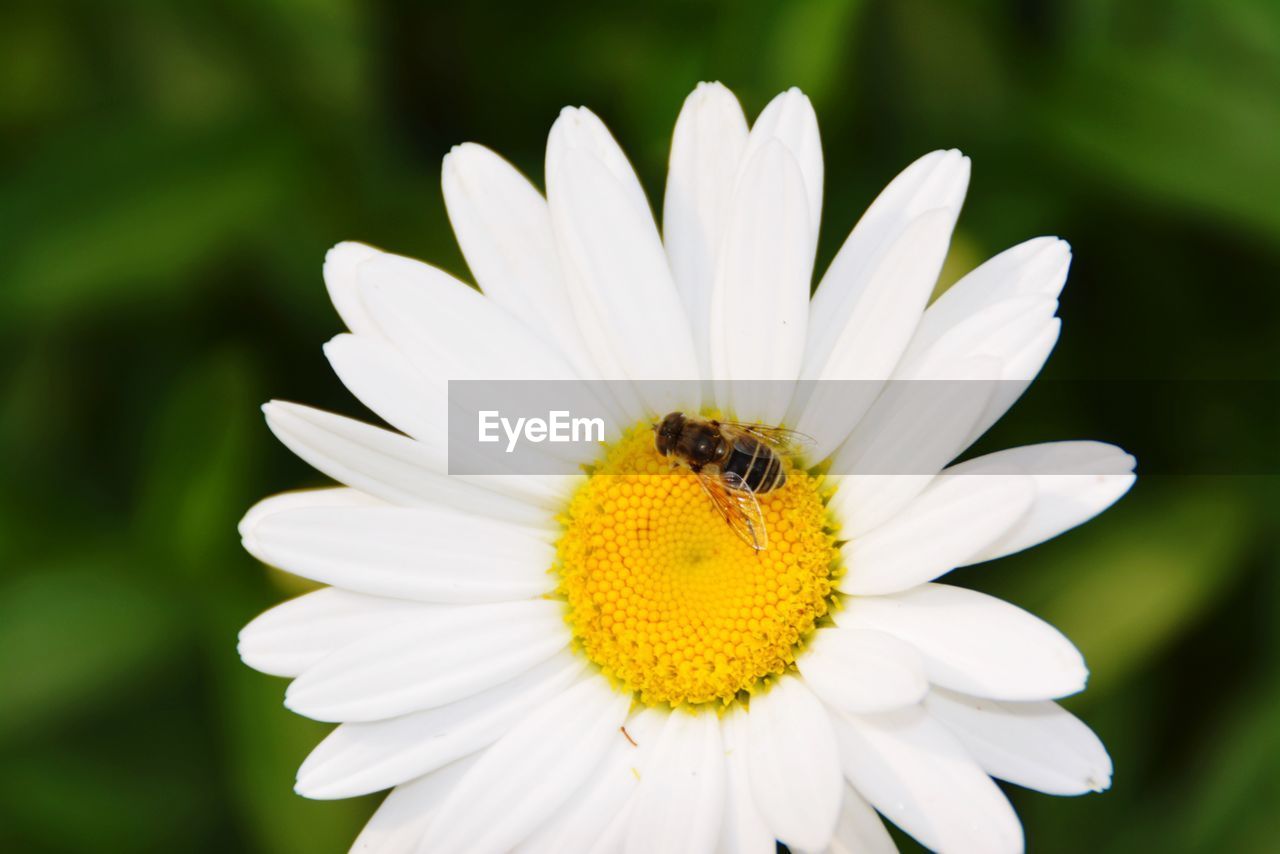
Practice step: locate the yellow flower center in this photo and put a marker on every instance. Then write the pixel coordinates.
(668, 600)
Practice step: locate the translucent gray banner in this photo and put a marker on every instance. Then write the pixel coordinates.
(877, 427)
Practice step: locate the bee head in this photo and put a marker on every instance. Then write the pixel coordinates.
(667, 432)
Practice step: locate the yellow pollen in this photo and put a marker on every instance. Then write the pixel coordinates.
(668, 601)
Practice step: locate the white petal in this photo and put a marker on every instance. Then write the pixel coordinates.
(912, 431)
(1002, 329)
(340, 265)
(446, 331)
(401, 820)
(795, 776)
(1038, 745)
(337, 496)
(874, 331)
(760, 300)
(681, 795)
(863, 501)
(1035, 268)
(450, 331)
(1074, 481)
(789, 118)
(975, 643)
(1018, 332)
(1012, 338)
(521, 781)
(427, 554)
(743, 830)
(1017, 373)
(359, 758)
(615, 835)
(1028, 274)
(382, 379)
(447, 655)
(871, 298)
(504, 229)
(860, 670)
(293, 636)
(914, 772)
(946, 526)
(621, 286)
(706, 153)
(580, 132)
(391, 467)
(860, 830)
(599, 808)
(936, 181)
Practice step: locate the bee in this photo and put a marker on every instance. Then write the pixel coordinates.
(734, 463)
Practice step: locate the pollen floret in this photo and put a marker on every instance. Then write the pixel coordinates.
(668, 600)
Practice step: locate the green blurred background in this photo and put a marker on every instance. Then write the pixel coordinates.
(173, 173)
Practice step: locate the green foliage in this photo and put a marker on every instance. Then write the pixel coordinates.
(173, 173)
(69, 633)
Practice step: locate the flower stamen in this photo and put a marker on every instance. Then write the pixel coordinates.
(668, 601)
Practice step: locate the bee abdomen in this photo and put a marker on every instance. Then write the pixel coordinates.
(757, 466)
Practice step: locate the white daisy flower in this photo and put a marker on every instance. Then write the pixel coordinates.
(597, 662)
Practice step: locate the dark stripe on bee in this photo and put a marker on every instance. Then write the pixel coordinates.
(758, 466)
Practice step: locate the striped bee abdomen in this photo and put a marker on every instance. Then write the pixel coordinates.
(756, 464)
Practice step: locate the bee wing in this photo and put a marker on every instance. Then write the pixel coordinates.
(738, 506)
(779, 438)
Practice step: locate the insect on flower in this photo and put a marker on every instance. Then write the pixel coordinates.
(734, 462)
